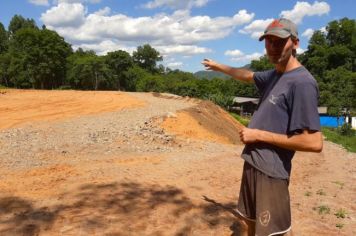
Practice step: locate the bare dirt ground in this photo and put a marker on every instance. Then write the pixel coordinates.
(113, 163)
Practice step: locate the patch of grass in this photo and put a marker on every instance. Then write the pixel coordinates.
(64, 87)
(341, 184)
(322, 209)
(341, 213)
(2, 87)
(339, 225)
(240, 119)
(348, 142)
(307, 193)
(321, 192)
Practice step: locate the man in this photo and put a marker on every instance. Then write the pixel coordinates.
(285, 121)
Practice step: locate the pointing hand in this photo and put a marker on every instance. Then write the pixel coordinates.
(209, 64)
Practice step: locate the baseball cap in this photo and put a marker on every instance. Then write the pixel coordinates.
(282, 28)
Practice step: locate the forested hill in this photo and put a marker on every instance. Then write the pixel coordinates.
(210, 75)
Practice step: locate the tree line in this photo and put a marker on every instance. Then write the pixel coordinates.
(39, 58)
(331, 58)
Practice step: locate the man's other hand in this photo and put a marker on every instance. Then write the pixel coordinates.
(248, 135)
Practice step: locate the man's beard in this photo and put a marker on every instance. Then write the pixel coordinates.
(279, 59)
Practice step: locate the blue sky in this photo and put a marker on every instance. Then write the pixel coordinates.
(183, 31)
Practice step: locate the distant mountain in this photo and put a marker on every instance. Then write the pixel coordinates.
(206, 74)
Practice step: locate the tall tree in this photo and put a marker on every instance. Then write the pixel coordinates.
(87, 71)
(52, 55)
(3, 39)
(18, 22)
(262, 64)
(37, 58)
(24, 57)
(4, 69)
(147, 57)
(120, 62)
(331, 58)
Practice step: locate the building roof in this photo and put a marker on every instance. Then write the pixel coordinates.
(323, 110)
(246, 99)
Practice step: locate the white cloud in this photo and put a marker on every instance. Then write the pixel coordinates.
(75, 1)
(323, 30)
(302, 9)
(256, 28)
(300, 50)
(174, 4)
(40, 2)
(103, 12)
(234, 53)
(238, 56)
(178, 32)
(64, 15)
(104, 47)
(308, 33)
(182, 49)
(175, 64)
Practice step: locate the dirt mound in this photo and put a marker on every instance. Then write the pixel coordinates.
(206, 121)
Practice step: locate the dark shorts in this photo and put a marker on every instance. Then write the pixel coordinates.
(265, 201)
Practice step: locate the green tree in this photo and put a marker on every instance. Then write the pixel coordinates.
(147, 57)
(120, 62)
(315, 58)
(3, 39)
(337, 90)
(24, 52)
(331, 59)
(261, 64)
(88, 71)
(52, 59)
(18, 22)
(38, 58)
(341, 32)
(133, 75)
(4, 72)
(151, 83)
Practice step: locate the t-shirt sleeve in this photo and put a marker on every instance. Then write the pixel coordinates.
(261, 79)
(304, 108)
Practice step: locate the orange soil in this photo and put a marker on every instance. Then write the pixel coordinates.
(205, 121)
(177, 193)
(26, 106)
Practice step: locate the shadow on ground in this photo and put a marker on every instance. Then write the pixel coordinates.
(117, 209)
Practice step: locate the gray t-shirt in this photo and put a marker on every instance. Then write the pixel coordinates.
(289, 104)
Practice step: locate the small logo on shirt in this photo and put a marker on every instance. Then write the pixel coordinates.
(273, 99)
(265, 218)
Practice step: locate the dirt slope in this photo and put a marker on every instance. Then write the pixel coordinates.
(113, 163)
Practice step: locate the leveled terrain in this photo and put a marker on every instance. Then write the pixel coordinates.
(114, 163)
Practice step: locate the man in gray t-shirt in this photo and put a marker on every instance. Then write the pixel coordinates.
(285, 121)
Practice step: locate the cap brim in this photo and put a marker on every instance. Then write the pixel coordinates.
(279, 34)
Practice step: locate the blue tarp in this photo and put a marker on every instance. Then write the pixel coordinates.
(331, 121)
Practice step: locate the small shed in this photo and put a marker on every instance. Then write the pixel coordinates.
(322, 110)
(245, 105)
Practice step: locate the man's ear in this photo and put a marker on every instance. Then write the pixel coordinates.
(295, 43)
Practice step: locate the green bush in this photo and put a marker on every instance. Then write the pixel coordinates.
(221, 100)
(240, 119)
(346, 130)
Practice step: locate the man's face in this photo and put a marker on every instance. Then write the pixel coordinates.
(279, 49)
